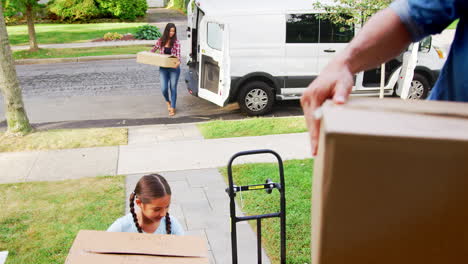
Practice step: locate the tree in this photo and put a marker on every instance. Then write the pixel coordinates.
(351, 12)
(28, 8)
(17, 120)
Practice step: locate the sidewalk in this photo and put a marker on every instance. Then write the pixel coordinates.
(184, 157)
(154, 148)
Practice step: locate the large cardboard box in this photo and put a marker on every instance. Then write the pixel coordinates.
(100, 247)
(157, 59)
(390, 183)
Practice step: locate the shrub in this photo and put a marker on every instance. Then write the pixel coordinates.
(147, 32)
(123, 9)
(74, 9)
(14, 11)
(112, 36)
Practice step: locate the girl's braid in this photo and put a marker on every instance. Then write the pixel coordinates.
(168, 224)
(132, 210)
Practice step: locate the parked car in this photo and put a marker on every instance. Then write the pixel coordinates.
(258, 52)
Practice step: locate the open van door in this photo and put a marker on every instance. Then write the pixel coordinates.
(190, 18)
(410, 58)
(215, 80)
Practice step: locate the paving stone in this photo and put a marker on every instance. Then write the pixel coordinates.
(205, 177)
(74, 163)
(16, 166)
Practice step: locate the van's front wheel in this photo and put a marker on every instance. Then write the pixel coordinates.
(256, 98)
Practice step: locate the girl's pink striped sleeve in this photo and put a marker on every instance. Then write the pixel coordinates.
(157, 46)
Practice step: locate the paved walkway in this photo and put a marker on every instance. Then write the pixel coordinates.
(178, 152)
(172, 147)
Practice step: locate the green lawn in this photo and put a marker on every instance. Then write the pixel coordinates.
(453, 25)
(257, 126)
(68, 33)
(79, 52)
(298, 177)
(39, 221)
(64, 139)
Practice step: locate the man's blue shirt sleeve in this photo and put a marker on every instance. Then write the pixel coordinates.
(423, 17)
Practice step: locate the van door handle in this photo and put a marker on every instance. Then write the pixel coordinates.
(329, 50)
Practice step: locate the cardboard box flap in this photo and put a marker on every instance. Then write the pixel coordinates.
(422, 107)
(397, 118)
(140, 244)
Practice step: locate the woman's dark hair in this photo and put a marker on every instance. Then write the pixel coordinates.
(150, 187)
(165, 37)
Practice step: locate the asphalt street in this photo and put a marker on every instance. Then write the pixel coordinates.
(115, 92)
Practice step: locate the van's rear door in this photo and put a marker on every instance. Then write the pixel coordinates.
(215, 81)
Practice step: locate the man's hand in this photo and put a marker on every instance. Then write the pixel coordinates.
(177, 64)
(335, 81)
(383, 37)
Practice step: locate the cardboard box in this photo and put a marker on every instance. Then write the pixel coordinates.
(390, 183)
(157, 59)
(100, 247)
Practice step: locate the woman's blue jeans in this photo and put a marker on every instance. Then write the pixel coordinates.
(169, 78)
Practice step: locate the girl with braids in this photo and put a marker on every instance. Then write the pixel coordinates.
(152, 195)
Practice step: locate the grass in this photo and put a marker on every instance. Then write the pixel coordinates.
(68, 33)
(453, 25)
(39, 221)
(252, 127)
(64, 139)
(298, 177)
(78, 52)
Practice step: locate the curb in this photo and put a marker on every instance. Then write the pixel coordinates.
(76, 59)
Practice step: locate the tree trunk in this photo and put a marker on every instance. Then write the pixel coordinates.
(17, 120)
(31, 29)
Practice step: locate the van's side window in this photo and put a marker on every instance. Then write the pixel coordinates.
(334, 33)
(308, 28)
(302, 28)
(215, 35)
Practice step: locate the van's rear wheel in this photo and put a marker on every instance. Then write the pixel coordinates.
(256, 98)
(419, 87)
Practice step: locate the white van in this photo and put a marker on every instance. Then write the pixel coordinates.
(258, 51)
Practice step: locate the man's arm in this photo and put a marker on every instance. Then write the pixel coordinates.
(383, 37)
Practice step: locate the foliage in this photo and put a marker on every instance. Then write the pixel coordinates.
(112, 36)
(123, 9)
(298, 182)
(257, 126)
(179, 4)
(78, 52)
(64, 139)
(68, 33)
(453, 25)
(40, 220)
(74, 9)
(350, 12)
(148, 32)
(15, 9)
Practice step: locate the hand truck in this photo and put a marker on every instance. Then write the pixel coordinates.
(268, 186)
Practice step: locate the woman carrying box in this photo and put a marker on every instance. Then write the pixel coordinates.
(168, 44)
